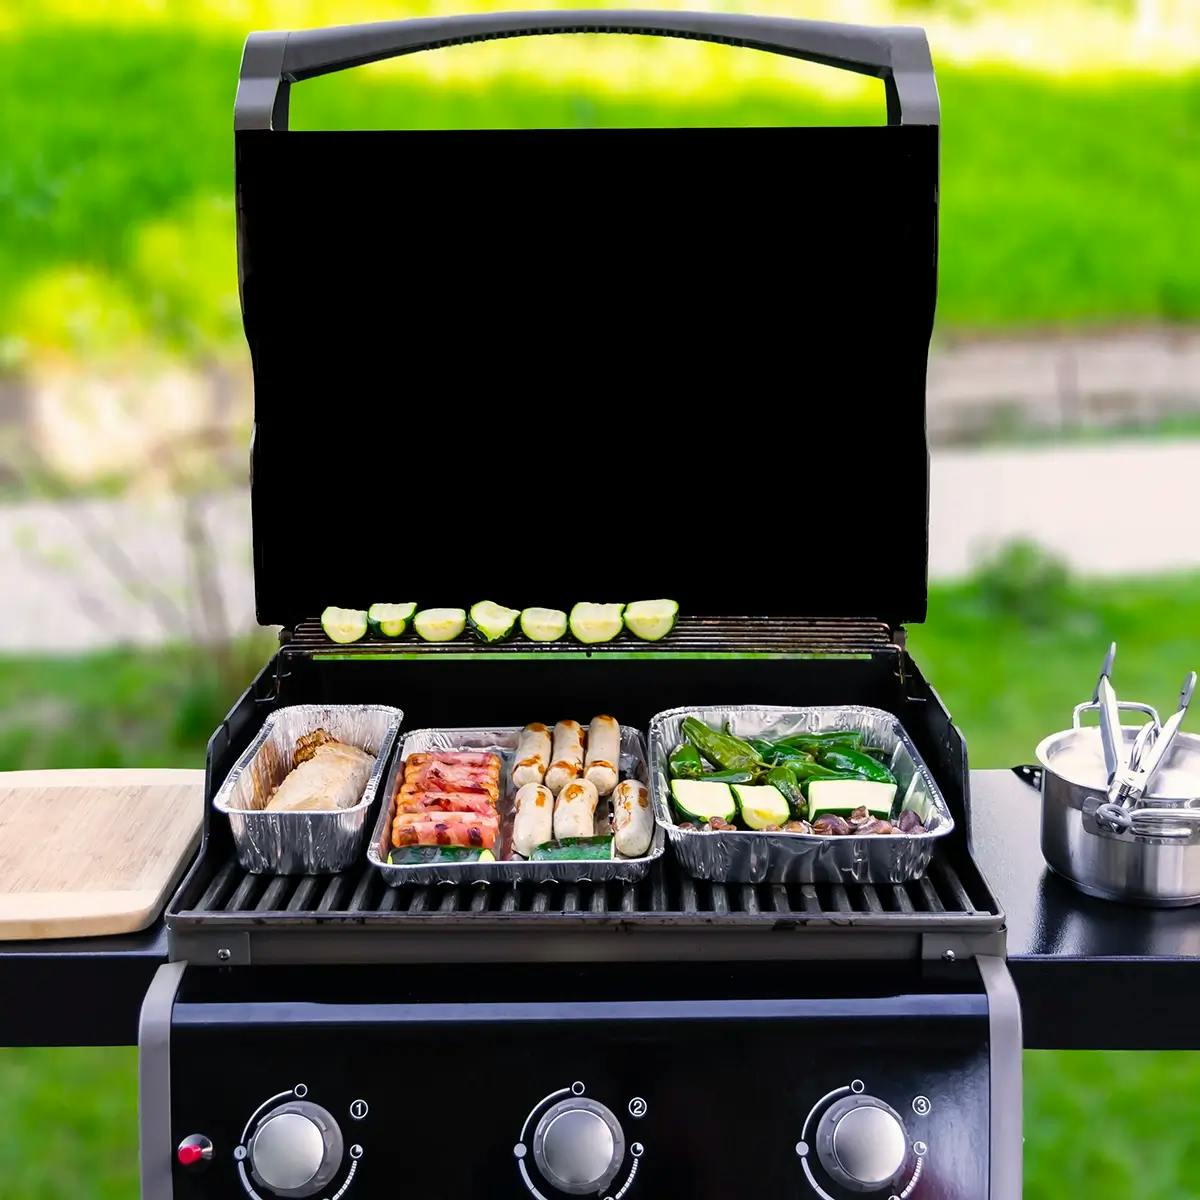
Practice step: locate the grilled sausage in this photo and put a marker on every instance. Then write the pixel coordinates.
(567, 760)
(533, 755)
(603, 754)
(534, 822)
(633, 822)
(575, 810)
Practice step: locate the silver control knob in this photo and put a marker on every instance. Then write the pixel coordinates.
(296, 1149)
(578, 1146)
(861, 1143)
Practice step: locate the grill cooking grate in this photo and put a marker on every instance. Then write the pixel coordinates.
(664, 893)
(725, 636)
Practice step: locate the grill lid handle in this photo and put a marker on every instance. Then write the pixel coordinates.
(899, 54)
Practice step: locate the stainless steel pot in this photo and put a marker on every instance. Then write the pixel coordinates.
(1154, 858)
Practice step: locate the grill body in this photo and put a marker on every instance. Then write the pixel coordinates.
(718, 1076)
(332, 1037)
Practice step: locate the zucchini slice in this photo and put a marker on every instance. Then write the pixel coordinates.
(700, 801)
(543, 624)
(412, 856)
(389, 620)
(840, 797)
(439, 624)
(592, 623)
(492, 622)
(651, 620)
(761, 805)
(574, 848)
(344, 625)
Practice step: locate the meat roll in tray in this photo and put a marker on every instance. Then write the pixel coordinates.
(566, 801)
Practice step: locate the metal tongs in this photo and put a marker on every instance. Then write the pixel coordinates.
(1131, 774)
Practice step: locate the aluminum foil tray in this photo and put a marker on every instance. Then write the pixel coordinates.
(746, 856)
(303, 843)
(503, 741)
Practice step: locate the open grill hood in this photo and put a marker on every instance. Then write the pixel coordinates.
(543, 366)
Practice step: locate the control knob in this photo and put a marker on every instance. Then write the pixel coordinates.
(861, 1143)
(295, 1150)
(579, 1146)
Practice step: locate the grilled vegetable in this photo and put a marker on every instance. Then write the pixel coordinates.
(566, 849)
(592, 623)
(840, 797)
(813, 742)
(854, 762)
(651, 620)
(700, 800)
(784, 779)
(761, 806)
(543, 624)
(733, 776)
(344, 625)
(418, 855)
(389, 620)
(492, 622)
(775, 752)
(439, 624)
(685, 762)
(723, 750)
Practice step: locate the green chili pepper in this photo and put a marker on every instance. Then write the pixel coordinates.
(850, 739)
(723, 750)
(789, 754)
(863, 766)
(783, 778)
(743, 776)
(685, 762)
(777, 752)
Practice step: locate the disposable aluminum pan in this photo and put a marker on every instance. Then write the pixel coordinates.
(303, 843)
(503, 741)
(746, 856)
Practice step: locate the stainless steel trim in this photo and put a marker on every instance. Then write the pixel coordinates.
(1006, 1147)
(154, 1082)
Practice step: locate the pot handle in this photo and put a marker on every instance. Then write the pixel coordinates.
(1029, 773)
(1094, 706)
(1103, 817)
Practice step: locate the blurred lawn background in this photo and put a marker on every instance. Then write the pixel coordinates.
(1071, 175)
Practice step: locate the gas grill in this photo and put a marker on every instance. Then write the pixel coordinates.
(606, 1039)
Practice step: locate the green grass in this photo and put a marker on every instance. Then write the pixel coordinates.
(1064, 200)
(1011, 652)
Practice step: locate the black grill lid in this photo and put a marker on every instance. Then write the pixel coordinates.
(552, 365)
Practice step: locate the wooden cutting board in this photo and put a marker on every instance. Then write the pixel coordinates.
(91, 852)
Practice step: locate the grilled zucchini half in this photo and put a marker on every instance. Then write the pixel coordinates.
(543, 624)
(389, 620)
(492, 622)
(592, 623)
(344, 625)
(439, 624)
(651, 620)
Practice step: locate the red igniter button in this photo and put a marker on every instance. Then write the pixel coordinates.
(194, 1150)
